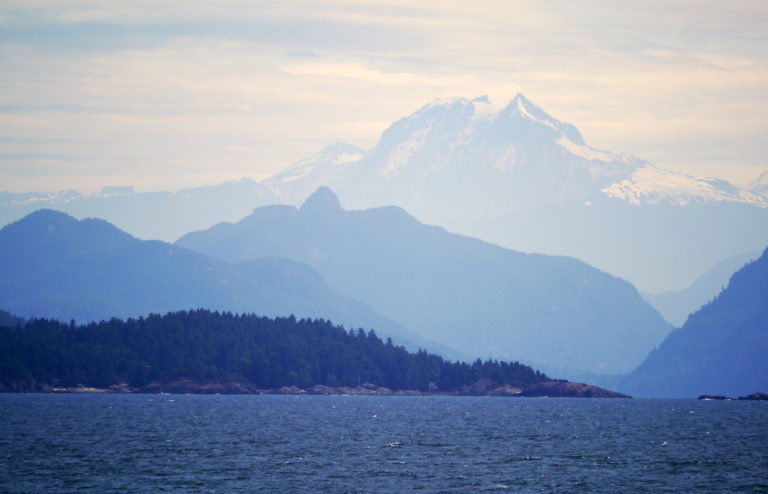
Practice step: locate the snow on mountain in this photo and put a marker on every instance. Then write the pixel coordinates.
(513, 175)
(305, 176)
(469, 158)
(516, 176)
(651, 185)
(473, 158)
(32, 198)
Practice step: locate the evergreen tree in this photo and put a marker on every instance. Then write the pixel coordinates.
(210, 346)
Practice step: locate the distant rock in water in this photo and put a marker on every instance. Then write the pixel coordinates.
(755, 397)
(751, 397)
(184, 386)
(567, 389)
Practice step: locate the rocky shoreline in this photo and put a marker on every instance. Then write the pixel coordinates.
(483, 387)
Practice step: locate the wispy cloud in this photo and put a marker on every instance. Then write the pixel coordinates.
(231, 88)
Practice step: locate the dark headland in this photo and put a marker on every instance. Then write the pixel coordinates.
(205, 352)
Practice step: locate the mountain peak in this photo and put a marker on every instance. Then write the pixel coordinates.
(522, 107)
(520, 98)
(340, 148)
(49, 215)
(322, 200)
(49, 220)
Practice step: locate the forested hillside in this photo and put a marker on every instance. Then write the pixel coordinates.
(720, 350)
(54, 266)
(210, 346)
(555, 313)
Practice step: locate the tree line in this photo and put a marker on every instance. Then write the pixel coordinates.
(208, 346)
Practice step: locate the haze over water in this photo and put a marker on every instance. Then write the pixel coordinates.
(547, 182)
(194, 443)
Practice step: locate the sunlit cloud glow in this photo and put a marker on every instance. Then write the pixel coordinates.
(173, 94)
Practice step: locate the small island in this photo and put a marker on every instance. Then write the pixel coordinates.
(561, 388)
(205, 352)
(750, 397)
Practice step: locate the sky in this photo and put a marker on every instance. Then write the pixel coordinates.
(163, 95)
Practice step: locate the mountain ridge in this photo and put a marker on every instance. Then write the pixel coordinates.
(513, 175)
(721, 348)
(463, 292)
(465, 126)
(675, 306)
(518, 177)
(54, 266)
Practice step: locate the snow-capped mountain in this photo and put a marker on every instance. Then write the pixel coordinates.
(512, 175)
(148, 215)
(471, 158)
(519, 177)
(34, 198)
(304, 177)
(652, 185)
(468, 158)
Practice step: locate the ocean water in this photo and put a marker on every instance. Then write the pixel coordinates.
(194, 443)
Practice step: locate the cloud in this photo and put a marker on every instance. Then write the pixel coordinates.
(362, 73)
(249, 87)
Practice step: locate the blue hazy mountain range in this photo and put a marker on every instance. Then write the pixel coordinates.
(54, 266)
(720, 350)
(675, 306)
(512, 175)
(518, 177)
(549, 311)
(148, 215)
